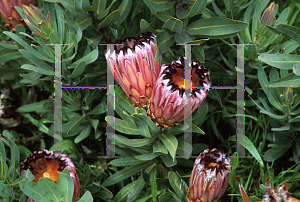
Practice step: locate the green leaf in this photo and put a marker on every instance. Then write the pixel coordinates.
(184, 148)
(163, 41)
(279, 60)
(123, 126)
(38, 69)
(196, 129)
(99, 109)
(174, 25)
(200, 114)
(99, 6)
(123, 193)
(196, 8)
(124, 9)
(159, 147)
(252, 51)
(170, 141)
(137, 188)
(143, 127)
(274, 153)
(147, 157)
(290, 31)
(66, 185)
(125, 173)
(87, 197)
(126, 161)
(83, 134)
(5, 191)
(154, 187)
(50, 188)
(41, 126)
(133, 142)
(89, 58)
(54, 38)
(161, 5)
(60, 24)
(113, 17)
(153, 128)
(290, 80)
(36, 61)
(178, 185)
(10, 56)
(32, 190)
(27, 46)
(296, 69)
(168, 161)
(215, 26)
(262, 77)
(145, 26)
(121, 99)
(78, 69)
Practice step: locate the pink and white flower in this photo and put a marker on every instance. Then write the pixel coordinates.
(169, 99)
(134, 67)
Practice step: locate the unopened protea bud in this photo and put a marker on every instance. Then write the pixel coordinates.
(209, 178)
(268, 15)
(37, 22)
(10, 14)
(169, 100)
(47, 164)
(134, 67)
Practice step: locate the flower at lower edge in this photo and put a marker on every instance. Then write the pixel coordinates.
(169, 101)
(10, 15)
(209, 178)
(281, 195)
(47, 164)
(134, 67)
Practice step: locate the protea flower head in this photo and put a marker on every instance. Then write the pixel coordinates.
(47, 164)
(209, 178)
(37, 22)
(135, 68)
(10, 14)
(281, 195)
(268, 15)
(169, 99)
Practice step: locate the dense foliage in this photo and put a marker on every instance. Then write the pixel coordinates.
(149, 169)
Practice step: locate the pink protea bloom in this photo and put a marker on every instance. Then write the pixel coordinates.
(47, 164)
(169, 99)
(11, 15)
(135, 68)
(209, 178)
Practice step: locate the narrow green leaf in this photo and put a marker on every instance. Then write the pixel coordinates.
(174, 25)
(168, 161)
(196, 129)
(125, 173)
(161, 5)
(137, 188)
(216, 26)
(262, 77)
(126, 161)
(170, 141)
(124, 9)
(50, 188)
(290, 31)
(83, 134)
(147, 157)
(9, 56)
(133, 142)
(89, 58)
(178, 185)
(78, 69)
(290, 80)
(163, 41)
(154, 187)
(66, 185)
(274, 153)
(87, 197)
(99, 6)
(159, 147)
(123, 126)
(32, 190)
(196, 8)
(279, 60)
(113, 17)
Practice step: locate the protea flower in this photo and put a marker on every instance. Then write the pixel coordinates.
(47, 164)
(135, 68)
(209, 178)
(169, 99)
(10, 14)
(38, 23)
(268, 15)
(281, 195)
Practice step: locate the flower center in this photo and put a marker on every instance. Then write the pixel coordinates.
(48, 170)
(179, 81)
